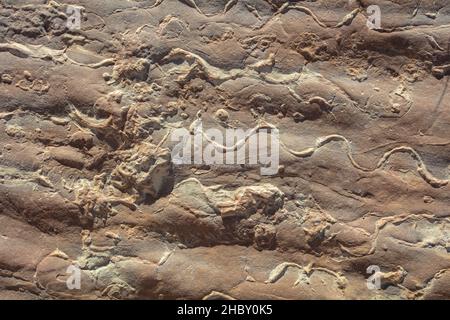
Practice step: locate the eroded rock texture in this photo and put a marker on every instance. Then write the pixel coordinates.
(86, 176)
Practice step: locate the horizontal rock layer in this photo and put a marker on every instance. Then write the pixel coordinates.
(86, 171)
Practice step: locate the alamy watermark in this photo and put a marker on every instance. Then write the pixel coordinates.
(232, 147)
(73, 282)
(374, 281)
(74, 15)
(374, 18)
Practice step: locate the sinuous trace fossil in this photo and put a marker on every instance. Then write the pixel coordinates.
(323, 141)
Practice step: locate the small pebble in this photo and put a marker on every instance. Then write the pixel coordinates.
(184, 115)
(222, 115)
(298, 116)
(28, 75)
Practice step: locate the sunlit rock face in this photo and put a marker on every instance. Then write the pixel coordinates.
(119, 179)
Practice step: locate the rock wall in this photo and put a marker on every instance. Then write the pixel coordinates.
(92, 205)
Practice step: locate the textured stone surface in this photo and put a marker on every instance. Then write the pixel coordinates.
(86, 176)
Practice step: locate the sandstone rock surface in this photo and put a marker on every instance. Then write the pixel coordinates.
(86, 171)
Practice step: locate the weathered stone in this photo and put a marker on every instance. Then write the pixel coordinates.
(359, 205)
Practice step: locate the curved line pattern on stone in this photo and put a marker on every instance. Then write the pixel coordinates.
(322, 141)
